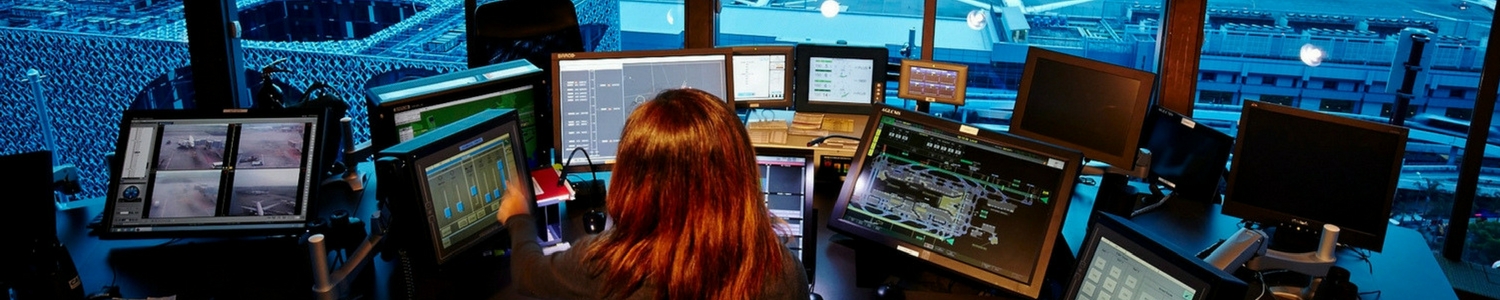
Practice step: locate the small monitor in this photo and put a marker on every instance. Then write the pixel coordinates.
(596, 92)
(1075, 102)
(1119, 260)
(445, 187)
(762, 76)
(1186, 156)
(786, 176)
(932, 81)
(840, 79)
(985, 205)
(402, 111)
(205, 173)
(1295, 168)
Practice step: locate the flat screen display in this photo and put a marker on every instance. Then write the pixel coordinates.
(787, 182)
(1186, 156)
(182, 173)
(447, 185)
(1084, 104)
(405, 110)
(933, 81)
(840, 78)
(1119, 261)
(983, 204)
(1304, 169)
(597, 91)
(763, 76)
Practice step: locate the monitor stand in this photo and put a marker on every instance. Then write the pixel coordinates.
(1116, 195)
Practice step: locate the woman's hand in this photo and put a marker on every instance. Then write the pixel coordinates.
(514, 201)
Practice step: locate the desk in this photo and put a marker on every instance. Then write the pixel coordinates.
(1406, 269)
(800, 141)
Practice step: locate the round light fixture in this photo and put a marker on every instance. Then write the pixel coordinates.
(830, 8)
(1312, 55)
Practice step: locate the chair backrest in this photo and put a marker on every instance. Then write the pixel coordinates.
(515, 29)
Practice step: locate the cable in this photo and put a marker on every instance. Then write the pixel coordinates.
(819, 140)
(1260, 276)
(593, 169)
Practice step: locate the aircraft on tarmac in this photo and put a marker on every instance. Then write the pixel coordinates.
(260, 208)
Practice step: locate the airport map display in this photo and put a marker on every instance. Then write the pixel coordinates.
(982, 205)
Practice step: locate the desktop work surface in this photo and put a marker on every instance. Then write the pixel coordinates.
(1406, 269)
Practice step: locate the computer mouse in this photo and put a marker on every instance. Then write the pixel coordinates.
(593, 221)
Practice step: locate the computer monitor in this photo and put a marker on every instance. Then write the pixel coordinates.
(982, 204)
(840, 79)
(1119, 260)
(1075, 102)
(213, 173)
(402, 111)
(1299, 169)
(597, 91)
(443, 189)
(762, 76)
(786, 177)
(1186, 156)
(932, 81)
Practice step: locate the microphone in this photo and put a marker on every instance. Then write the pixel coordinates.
(819, 140)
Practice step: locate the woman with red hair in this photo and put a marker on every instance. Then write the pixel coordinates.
(690, 221)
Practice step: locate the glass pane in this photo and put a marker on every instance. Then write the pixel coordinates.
(893, 24)
(99, 57)
(990, 36)
(1325, 56)
(651, 24)
(350, 46)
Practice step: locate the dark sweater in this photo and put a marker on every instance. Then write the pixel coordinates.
(565, 275)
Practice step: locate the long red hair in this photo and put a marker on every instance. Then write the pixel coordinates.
(685, 196)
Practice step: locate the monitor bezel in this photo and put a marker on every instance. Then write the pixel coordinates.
(1072, 163)
(310, 168)
(560, 155)
(1212, 282)
(960, 87)
(1369, 236)
(411, 194)
(1124, 159)
(462, 85)
(879, 57)
(1206, 193)
(809, 221)
(789, 76)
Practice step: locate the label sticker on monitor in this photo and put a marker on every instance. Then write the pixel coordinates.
(909, 251)
(1055, 164)
(1189, 123)
(968, 129)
